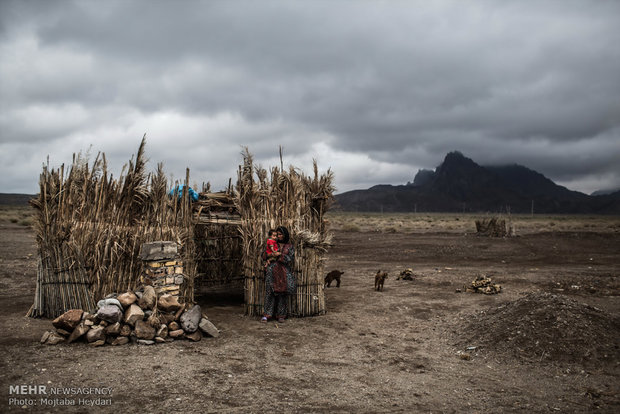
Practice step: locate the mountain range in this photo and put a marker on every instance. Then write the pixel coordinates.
(458, 184)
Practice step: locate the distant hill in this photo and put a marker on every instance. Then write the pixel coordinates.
(605, 192)
(461, 185)
(15, 199)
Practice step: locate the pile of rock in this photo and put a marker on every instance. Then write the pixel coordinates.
(406, 274)
(484, 285)
(137, 317)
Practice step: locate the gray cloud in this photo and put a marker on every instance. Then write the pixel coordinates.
(394, 85)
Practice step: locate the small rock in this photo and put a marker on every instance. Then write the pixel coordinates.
(88, 322)
(103, 323)
(154, 321)
(95, 334)
(68, 320)
(166, 317)
(169, 303)
(162, 332)
(121, 340)
(176, 334)
(79, 330)
(133, 314)
(110, 313)
(145, 342)
(194, 336)
(207, 327)
(45, 336)
(144, 330)
(113, 329)
(125, 330)
(89, 316)
(148, 299)
(190, 319)
(63, 332)
(99, 342)
(173, 326)
(179, 313)
(126, 299)
(54, 339)
(159, 340)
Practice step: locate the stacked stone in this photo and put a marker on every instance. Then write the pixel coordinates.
(133, 317)
(162, 269)
(484, 285)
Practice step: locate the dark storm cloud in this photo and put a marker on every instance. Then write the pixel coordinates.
(397, 84)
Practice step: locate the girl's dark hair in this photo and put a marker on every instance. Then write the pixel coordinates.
(284, 232)
(271, 231)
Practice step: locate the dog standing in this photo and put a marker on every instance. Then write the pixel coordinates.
(380, 280)
(331, 276)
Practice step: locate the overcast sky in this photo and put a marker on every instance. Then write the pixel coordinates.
(374, 90)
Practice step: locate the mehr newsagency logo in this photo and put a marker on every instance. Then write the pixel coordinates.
(44, 395)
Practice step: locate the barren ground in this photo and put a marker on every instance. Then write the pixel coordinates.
(548, 343)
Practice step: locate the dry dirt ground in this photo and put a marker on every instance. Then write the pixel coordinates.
(549, 342)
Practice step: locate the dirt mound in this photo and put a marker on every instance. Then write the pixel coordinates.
(545, 327)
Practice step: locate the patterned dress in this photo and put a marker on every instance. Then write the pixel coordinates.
(279, 282)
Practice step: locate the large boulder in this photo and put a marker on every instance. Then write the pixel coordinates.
(110, 313)
(133, 314)
(190, 319)
(144, 330)
(148, 299)
(68, 320)
(169, 303)
(127, 298)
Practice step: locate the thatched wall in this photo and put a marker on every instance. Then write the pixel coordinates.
(299, 202)
(90, 227)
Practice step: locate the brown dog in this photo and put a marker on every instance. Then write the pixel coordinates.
(380, 279)
(331, 276)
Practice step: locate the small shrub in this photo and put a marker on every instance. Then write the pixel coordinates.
(351, 228)
(26, 222)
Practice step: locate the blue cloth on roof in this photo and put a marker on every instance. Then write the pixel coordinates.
(179, 190)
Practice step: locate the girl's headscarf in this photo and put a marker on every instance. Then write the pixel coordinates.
(285, 233)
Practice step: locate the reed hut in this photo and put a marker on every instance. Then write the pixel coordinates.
(90, 228)
(267, 199)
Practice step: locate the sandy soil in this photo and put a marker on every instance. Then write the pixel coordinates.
(418, 346)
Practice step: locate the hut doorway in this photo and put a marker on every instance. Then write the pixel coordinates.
(219, 261)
